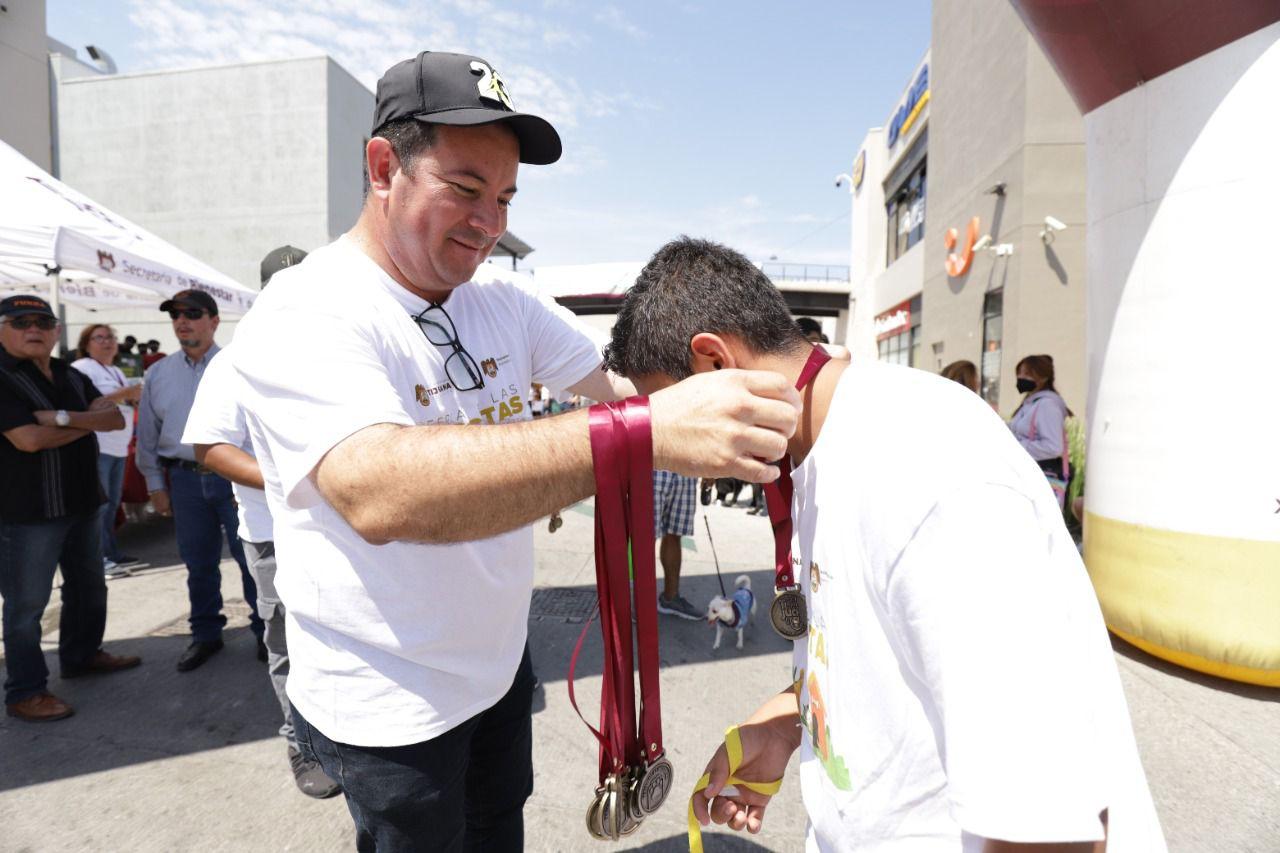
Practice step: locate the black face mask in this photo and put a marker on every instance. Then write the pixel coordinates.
(1026, 385)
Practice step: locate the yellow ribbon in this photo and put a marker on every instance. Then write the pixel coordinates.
(733, 746)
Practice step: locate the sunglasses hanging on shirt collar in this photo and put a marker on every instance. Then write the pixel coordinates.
(459, 366)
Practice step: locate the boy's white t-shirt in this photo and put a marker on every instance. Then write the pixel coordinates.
(109, 380)
(958, 682)
(217, 417)
(393, 644)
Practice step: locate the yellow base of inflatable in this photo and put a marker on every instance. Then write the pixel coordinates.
(1203, 602)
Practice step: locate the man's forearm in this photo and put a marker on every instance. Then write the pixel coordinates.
(444, 484)
(103, 420)
(33, 438)
(230, 462)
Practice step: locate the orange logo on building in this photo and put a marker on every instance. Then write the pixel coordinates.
(958, 265)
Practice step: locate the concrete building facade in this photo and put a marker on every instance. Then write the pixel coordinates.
(24, 81)
(985, 130)
(226, 162)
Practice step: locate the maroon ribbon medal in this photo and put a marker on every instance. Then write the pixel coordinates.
(634, 775)
(788, 613)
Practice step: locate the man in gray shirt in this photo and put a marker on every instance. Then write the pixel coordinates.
(201, 502)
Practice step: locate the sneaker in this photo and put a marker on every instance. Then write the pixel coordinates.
(112, 569)
(126, 560)
(678, 606)
(310, 778)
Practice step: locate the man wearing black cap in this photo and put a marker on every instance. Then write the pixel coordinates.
(49, 510)
(217, 430)
(201, 502)
(386, 387)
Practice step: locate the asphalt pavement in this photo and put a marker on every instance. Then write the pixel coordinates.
(156, 760)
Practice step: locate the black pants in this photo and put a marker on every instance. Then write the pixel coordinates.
(464, 790)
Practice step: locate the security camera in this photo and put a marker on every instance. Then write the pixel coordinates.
(1051, 225)
(841, 178)
(983, 242)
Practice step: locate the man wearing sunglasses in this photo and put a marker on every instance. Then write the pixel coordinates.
(49, 510)
(201, 502)
(385, 383)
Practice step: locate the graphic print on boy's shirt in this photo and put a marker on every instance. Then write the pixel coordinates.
(815, 714)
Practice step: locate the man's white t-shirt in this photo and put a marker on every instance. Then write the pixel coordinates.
(393, 644)
(217, 417)
(108, 380)
(958, 682)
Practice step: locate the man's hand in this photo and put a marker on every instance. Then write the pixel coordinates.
(160, 500)
(45, 417)
(766, 749)
(723, 423)
(102, 404)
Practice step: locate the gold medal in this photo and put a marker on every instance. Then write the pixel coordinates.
(650, 787)
(789, 614)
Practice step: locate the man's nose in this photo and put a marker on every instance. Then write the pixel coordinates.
(490, 217)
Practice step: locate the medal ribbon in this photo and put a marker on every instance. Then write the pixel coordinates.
(622, 452)
(732, 746)
(777, 495)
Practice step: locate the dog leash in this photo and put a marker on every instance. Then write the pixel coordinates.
(733, 746)
(634, 777)
(788, 613)
(707, 522)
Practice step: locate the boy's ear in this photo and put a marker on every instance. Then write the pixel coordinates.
(708, 351)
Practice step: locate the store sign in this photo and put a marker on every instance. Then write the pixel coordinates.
(909, 111)
(895, 321)
(859, 169)
(958, 264)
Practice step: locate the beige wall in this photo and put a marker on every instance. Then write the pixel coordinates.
(1001, 115)
(24, 81)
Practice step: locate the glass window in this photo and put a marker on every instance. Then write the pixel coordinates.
(992, 334)
(906, 212)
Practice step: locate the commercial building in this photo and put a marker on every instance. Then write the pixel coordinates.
(24, 81)
(984, 140)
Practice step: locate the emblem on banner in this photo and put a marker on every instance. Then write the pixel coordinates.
(490, 367)
(105, 261)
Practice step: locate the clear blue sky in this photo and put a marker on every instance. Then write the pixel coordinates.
(726, 120)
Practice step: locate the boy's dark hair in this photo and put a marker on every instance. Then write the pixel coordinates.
(691, 286)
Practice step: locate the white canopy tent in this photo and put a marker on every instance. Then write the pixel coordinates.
(57, 242)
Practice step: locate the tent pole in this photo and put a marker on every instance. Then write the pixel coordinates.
(59, 309)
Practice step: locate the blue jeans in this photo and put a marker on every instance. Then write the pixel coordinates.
(463, 790)
(204, 512)
(29, 553)
(111, 475)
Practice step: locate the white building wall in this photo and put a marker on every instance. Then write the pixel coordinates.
(226, 162)
(24, 81)
(867, 245)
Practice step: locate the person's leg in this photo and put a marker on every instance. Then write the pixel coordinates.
(111, 475)
(262, 566)
(669, 555)
(500, 776)
(220, 496)
(28, 557)
(200, 547)
(403, 799)
(84, 592)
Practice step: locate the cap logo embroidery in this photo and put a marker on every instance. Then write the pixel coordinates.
(490, 85)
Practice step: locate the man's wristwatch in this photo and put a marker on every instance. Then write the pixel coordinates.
(61, 418)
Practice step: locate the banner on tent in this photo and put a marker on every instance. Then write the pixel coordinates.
(78, 251)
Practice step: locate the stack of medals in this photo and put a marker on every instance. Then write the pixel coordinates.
(635, 776)
(788, 613)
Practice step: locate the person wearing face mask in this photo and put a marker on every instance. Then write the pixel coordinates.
(1039, 422)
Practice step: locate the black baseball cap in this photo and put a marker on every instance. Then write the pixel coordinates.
(16, 306)
(191, 299)
(278, 259)
(453, 88)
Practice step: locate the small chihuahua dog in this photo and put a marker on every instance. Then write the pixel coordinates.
(734, 612)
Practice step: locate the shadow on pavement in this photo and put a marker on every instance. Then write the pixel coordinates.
(681, 641)
(145, 714)
(1248, 691)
